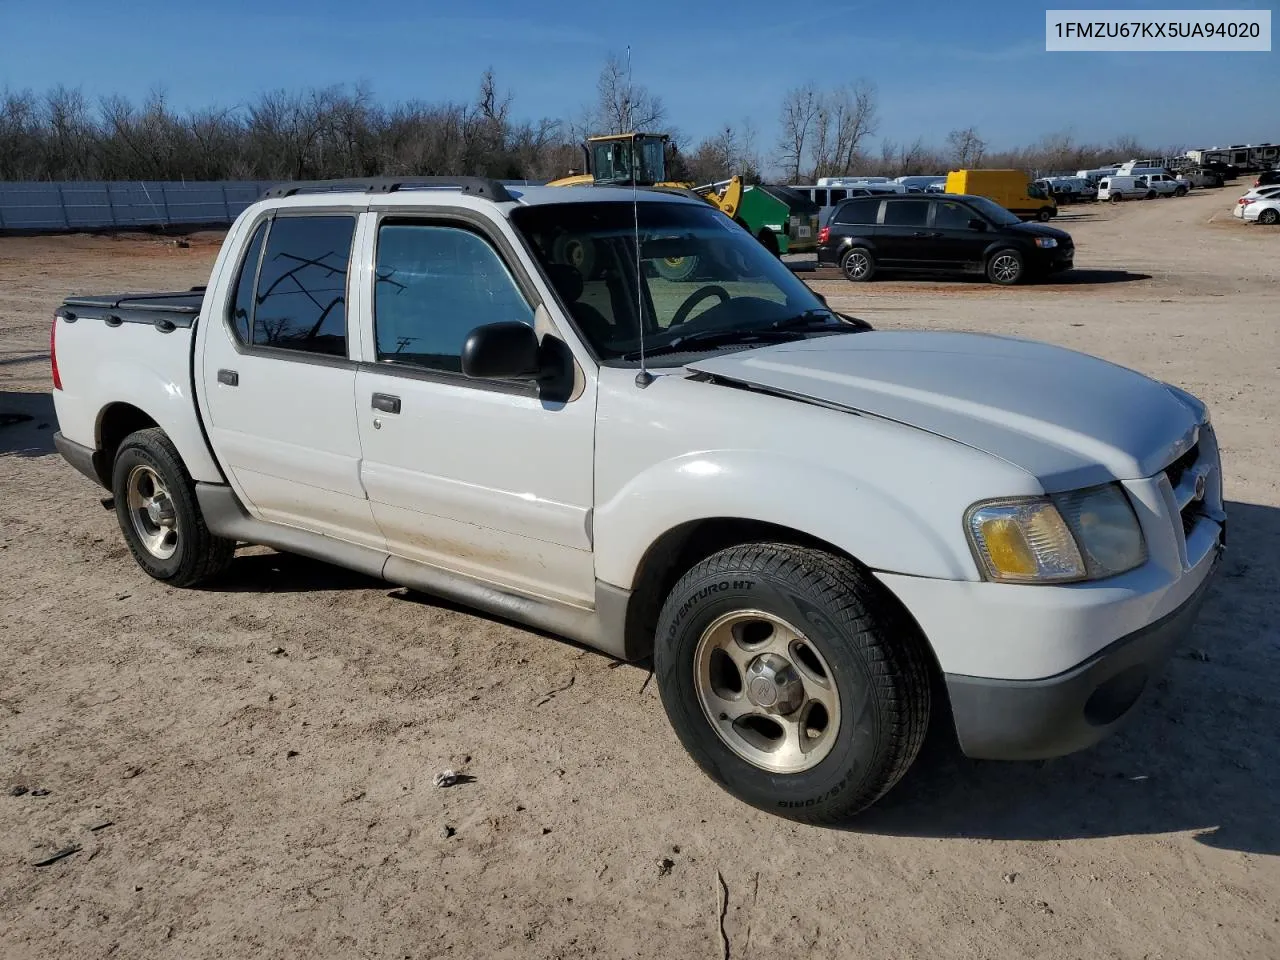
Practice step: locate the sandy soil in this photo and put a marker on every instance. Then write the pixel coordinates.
(247, 769)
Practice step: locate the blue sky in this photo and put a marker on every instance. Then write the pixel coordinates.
(936, 65)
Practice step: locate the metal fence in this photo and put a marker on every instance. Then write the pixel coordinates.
(96, 205)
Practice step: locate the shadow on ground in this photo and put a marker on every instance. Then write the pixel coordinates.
(27, 424)
(1071, 278)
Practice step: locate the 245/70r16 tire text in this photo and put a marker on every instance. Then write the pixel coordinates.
(791, 680)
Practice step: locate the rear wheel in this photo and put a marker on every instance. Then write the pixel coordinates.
(156, 508)
(791, 680)
(1115, 198)
(858, 265)
(1151, 194)
(1268, 216)
(1005, 267)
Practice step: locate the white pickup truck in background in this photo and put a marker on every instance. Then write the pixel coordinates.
(821, 533)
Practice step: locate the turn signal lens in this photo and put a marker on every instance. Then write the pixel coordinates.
(1024, 541)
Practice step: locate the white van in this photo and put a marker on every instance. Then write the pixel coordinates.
(1117, 188)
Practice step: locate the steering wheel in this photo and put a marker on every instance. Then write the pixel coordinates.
(695, 298)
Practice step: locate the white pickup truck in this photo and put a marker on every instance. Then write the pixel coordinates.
(822, 533)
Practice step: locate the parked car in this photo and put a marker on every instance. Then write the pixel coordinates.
(1266, 178)
(1009, 188)
(815, 528)
(1119, 188)
(1166, 185)
(1203, 177)
(950, 233)
(1260, 204)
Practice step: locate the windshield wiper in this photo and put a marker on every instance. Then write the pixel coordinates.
(714, 338)
(815, 317)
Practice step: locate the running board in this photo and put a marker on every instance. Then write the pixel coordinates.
(601, 628)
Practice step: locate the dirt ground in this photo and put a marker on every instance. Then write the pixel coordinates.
(247, 769)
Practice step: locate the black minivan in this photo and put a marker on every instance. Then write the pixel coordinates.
(940, 233)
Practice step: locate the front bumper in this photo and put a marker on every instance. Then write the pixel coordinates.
(1037, 719)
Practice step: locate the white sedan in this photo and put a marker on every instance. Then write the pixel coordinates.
(1263, 211)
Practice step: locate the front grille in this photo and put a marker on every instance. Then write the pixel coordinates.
(1180, 466)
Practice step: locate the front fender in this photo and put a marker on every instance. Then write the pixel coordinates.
(867, 521)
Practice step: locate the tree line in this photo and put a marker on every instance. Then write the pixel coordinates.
(338, 132)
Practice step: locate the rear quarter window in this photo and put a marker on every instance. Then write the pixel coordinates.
(862, 211)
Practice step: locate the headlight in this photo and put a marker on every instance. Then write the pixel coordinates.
(1084, 535)
(1048, 243)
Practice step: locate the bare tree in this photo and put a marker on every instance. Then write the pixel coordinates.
(966, 147)
(623, 107)
(853, 114)
(799, 110)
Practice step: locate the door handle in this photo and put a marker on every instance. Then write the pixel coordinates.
(386, 403)
(229, 378)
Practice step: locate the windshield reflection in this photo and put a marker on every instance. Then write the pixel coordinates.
(702, 279)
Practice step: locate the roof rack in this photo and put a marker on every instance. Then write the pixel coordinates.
(483, 187)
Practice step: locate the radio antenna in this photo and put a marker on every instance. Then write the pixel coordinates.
(644, 377)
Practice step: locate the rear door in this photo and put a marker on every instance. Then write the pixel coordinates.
(903, 237)
(278, 382)
(490, 480)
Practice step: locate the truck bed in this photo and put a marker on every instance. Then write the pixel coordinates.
(177, 308)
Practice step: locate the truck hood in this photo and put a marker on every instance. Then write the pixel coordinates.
(1069, 419)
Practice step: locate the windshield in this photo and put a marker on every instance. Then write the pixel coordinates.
(700, 273)
(993, 211)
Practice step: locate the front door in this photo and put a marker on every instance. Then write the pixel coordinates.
(485, 479)
(278, 384)
(955, 243)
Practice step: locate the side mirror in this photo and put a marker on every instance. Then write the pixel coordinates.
(976, 224)
(502, 351)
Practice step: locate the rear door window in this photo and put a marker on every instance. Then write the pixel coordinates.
(906, 213)
(861, 211)
(301, 299)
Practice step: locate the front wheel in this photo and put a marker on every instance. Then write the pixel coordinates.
(1005, 267)
(1045, 215)
(791, 680)
(1180, 192)
(156, 507)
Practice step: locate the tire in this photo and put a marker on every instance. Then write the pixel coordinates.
(846, 631)
(170, 541)
(1115, 198)
(1180, 192)
(1151, 194)
(1268, 216)
(858, 265)
(1045, 215)
(1006, 267)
